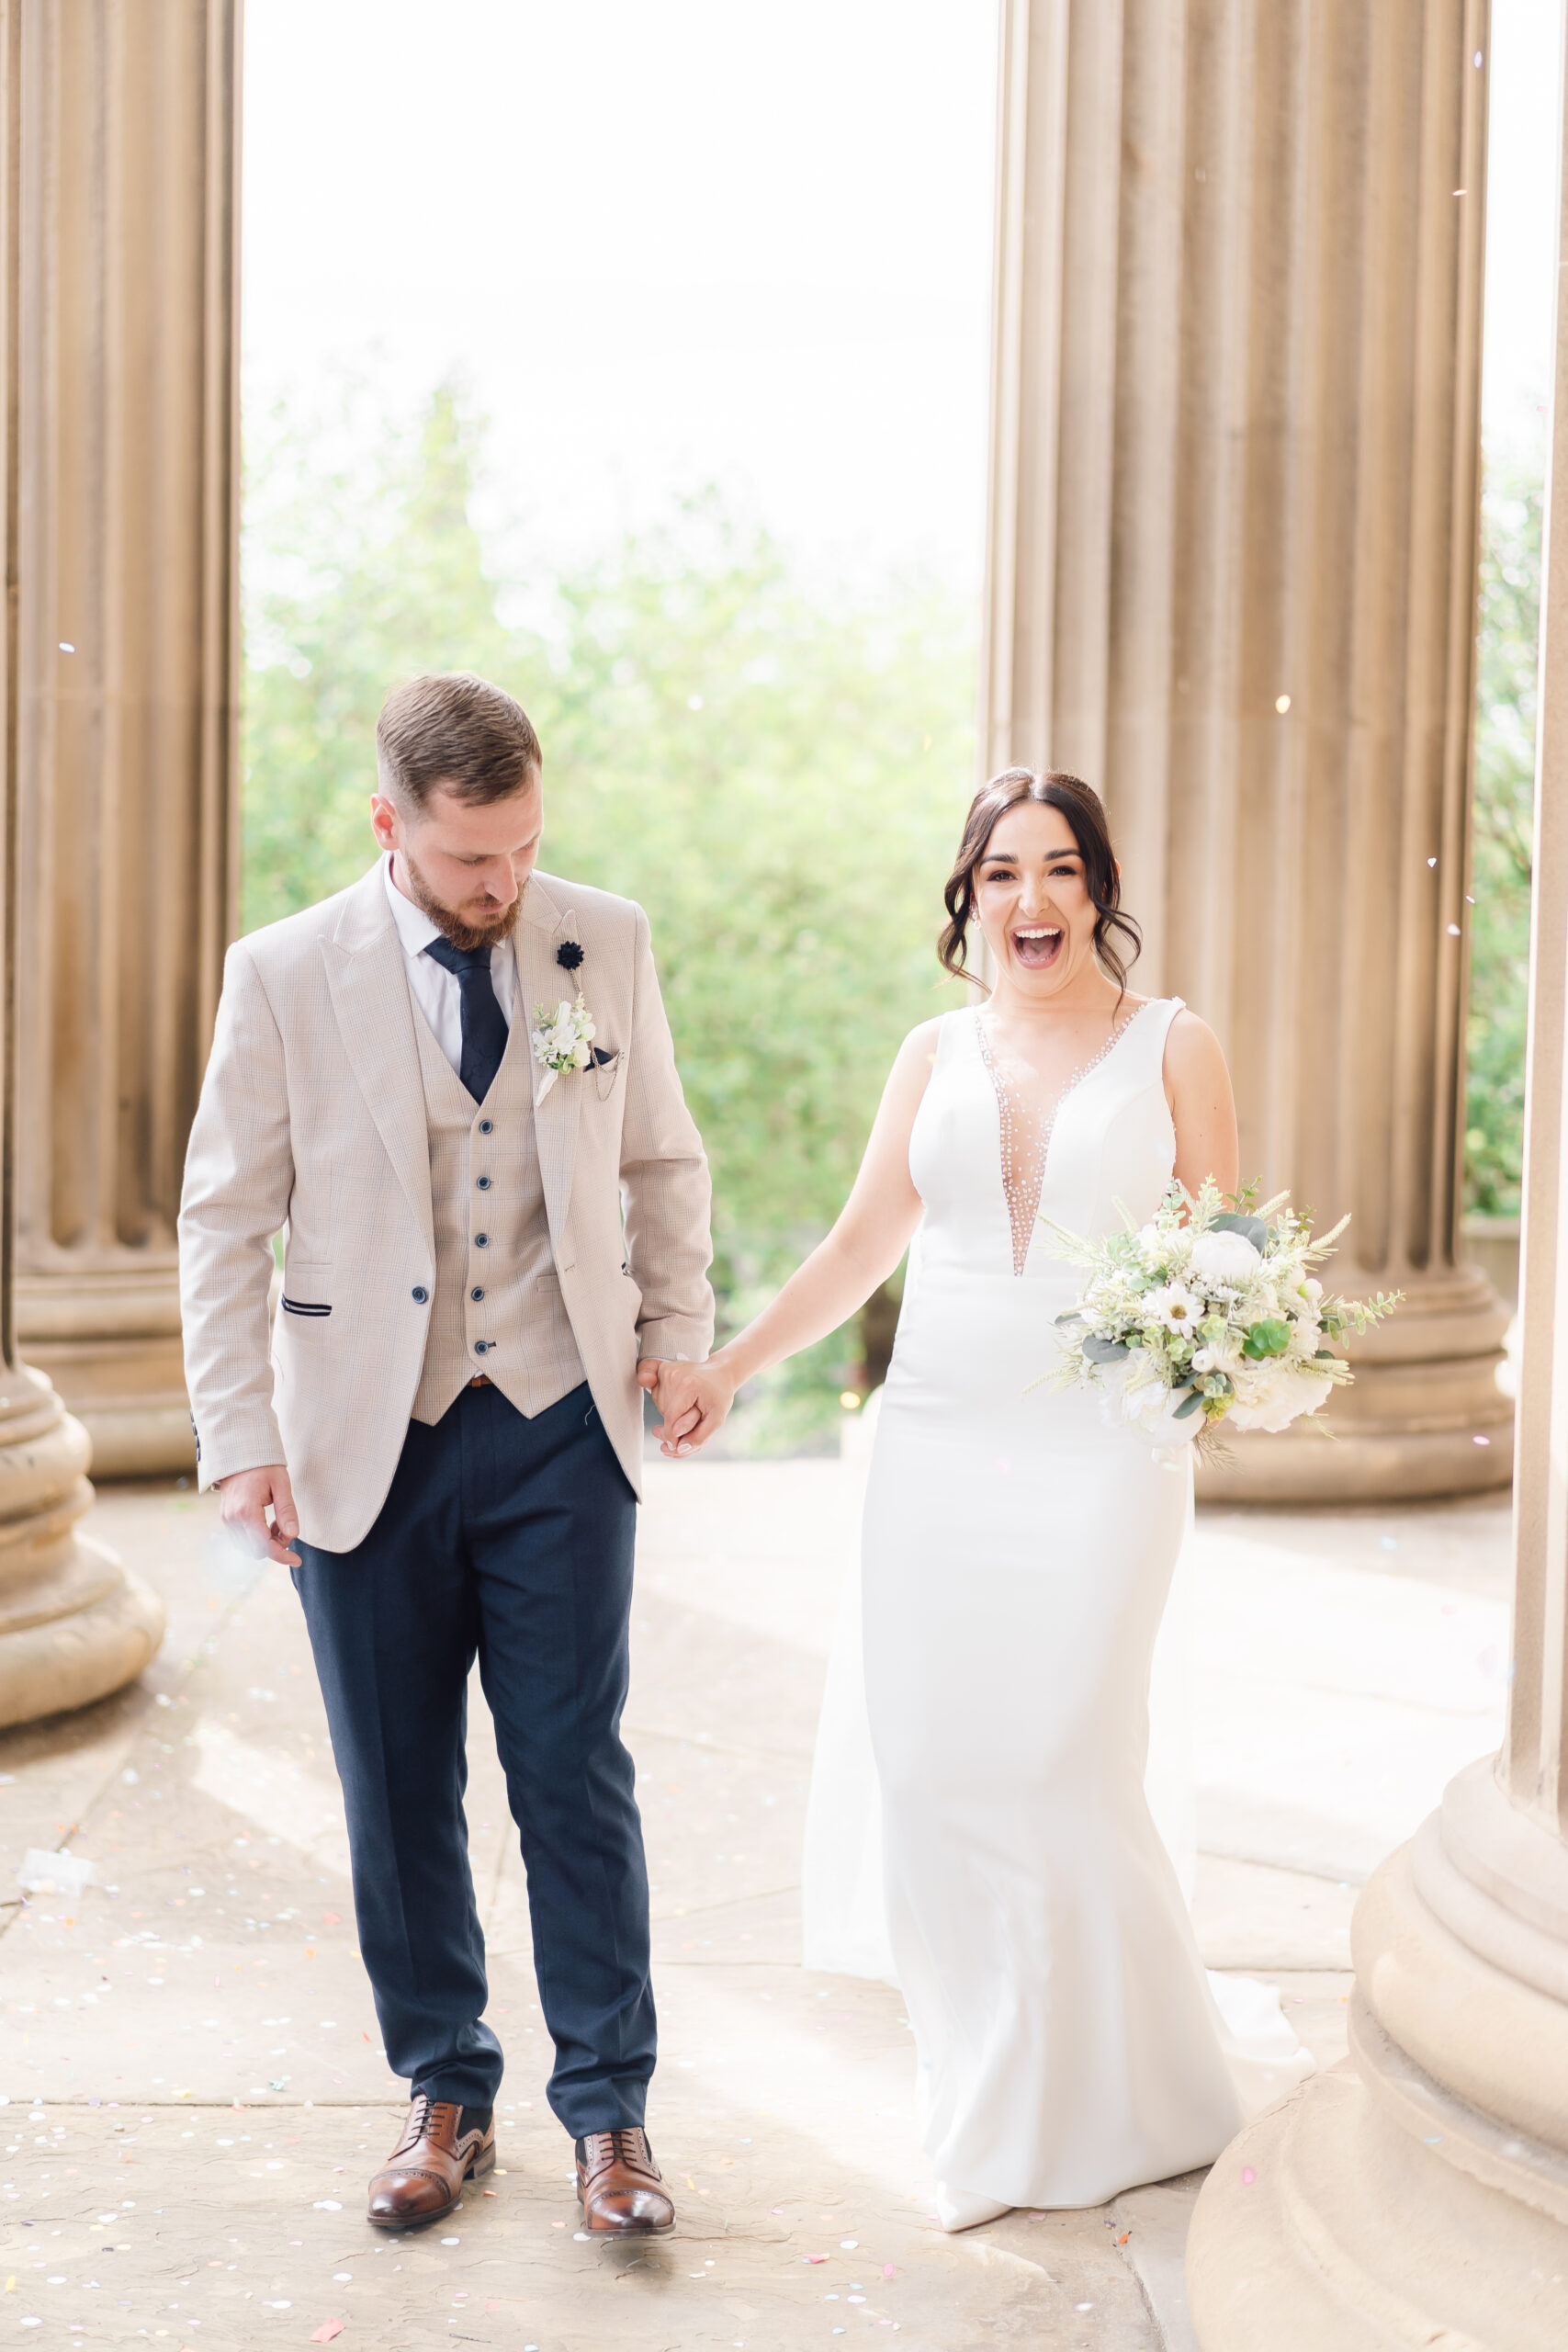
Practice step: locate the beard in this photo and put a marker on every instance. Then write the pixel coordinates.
(452, 925)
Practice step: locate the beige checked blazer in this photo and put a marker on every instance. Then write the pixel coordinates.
(313, 1116)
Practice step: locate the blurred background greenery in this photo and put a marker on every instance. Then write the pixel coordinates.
(776, 771)
(1505, 784)
(778, 774)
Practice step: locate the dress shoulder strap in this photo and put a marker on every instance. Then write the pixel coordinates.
(1148, 1030)
(957, 1034)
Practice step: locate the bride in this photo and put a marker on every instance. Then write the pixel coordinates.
(1019, 1548)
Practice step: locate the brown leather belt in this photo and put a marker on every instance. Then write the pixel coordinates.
(480, 1380)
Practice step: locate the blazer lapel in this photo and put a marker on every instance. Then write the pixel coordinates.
(375, 1015)
(541, 980)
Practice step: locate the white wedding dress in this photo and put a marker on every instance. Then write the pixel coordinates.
(979, 1830)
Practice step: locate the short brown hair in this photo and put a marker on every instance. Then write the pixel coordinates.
(1085, 813)
(455, 731)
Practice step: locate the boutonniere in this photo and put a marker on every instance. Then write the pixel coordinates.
(563, 1040)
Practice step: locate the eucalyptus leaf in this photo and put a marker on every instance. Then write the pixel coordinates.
(1102, 1351)
(1192, 1403)
(1072, 1315)
(1251, 1229)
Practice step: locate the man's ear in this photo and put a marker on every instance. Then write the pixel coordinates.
(384, 821)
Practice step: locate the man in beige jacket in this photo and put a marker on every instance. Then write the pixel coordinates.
(493, 1236)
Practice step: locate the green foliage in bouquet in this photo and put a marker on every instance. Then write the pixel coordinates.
(1209, 1312)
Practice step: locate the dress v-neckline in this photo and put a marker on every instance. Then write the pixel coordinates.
(1023, 1180)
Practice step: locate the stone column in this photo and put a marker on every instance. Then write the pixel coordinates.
(1421, 2198)
(127, 682)
(74, 1625)
(1231, 582)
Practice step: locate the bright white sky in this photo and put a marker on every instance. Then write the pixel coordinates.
(664, 245)
(705, 240)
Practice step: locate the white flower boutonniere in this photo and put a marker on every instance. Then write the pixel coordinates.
(562, 1040)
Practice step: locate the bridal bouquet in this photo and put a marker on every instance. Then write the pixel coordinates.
(1209, 1313)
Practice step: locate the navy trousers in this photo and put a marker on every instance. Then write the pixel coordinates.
(509, 1541)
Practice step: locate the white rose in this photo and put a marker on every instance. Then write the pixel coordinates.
(1272, 1396)
(1224, 1257)
(1152, 1407)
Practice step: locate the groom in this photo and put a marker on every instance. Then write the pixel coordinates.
(445, 1425)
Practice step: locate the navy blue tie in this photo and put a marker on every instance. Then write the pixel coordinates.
(484, 1024)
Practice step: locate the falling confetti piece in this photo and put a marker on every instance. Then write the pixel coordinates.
(327, 2330)
(1482, 1441)
(815, 2257)
(887, 2270)
(1281, 704)
(1248, 2176)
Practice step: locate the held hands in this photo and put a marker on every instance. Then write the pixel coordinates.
(695, 1399)
(245, 1499)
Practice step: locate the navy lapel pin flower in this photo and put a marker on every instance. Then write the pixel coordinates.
(569, 954)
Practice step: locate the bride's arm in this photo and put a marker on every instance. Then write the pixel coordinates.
(873, 1231)
(1197, 1088)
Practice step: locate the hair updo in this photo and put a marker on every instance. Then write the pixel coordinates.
(1081, 806)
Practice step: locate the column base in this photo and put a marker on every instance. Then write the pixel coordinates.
(74, 1625)
(1418, 2196)
(110, 1343)
(1423, 1418)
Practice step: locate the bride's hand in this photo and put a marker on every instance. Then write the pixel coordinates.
(695, 1399)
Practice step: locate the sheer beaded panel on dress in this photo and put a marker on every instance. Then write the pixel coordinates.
(1026, 1138)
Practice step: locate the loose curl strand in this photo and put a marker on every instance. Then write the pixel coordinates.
(1118, 941)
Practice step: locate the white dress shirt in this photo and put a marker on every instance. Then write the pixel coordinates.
(435, 989)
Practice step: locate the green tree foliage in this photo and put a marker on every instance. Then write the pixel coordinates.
(777, 776)
(1505, 779)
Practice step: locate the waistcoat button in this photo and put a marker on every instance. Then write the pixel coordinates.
(484, 1184)
(487, 1127)
(420, 1295)
(482, 1347)
(482, 1241)
(476, 1295)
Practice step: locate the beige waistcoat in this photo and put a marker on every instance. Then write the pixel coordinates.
(497, 1303)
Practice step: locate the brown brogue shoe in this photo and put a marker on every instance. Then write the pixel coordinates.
(441, 2146)
(620, 2187)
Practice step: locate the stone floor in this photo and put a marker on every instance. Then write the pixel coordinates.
(188, 2053)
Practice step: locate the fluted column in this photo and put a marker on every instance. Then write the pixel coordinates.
(1231, 582)
(1422, 2196)
(126, 682)
(74, 1625)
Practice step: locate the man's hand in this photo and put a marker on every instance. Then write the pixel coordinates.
(244, 1500)
(695, 1399)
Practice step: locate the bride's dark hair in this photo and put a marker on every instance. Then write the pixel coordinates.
(1081, 806)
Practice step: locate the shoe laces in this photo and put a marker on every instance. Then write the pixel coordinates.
(626, 2144)
(418, 2124)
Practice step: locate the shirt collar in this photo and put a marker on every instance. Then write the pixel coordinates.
(414, 927)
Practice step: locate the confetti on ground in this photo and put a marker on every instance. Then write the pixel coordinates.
(327, 2330)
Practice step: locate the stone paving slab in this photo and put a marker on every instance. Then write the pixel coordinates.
(198, 2023)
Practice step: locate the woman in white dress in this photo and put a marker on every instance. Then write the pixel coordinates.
(1019, 1548)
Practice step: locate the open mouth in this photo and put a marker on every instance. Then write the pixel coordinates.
(1038, 946)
